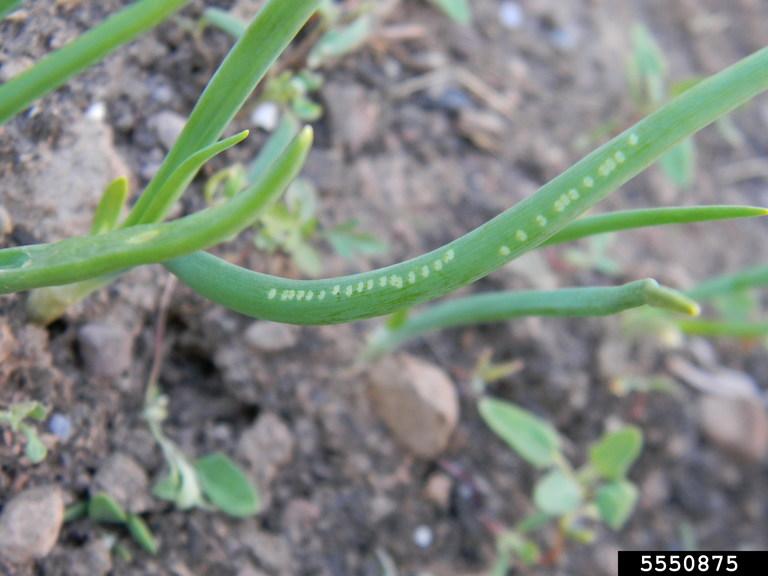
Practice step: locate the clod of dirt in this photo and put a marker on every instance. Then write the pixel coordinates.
(354, 113)
(93, 559)
(271, 337)
(271, 551)
(167, 125)
(106, 349)
(6, 223)
(30, 524)
(57, 194)
(417, 401)
(125, 480)
(249, 570)
(735, 425)
(438, 489)
(484, 129)
(7, 342)
(266, 447)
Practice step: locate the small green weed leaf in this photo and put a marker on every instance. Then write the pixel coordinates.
(110, 206)
(348, 241)
(616, 451)
(104, 509)
(35, 450)
(648, 67)
(615, 502)
(227, 486)
(557, 493)
(458, 10)
(167, 488)
(224, 21)
(679, 164)
(577, 531)
(76, 511)
(21, 411)
(142, 534)
(338, 42)
(531, 437)
(181, 488)
(306, 109)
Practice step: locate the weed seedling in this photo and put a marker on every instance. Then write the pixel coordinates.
(18, 418)
(573, 499)
(103, 509)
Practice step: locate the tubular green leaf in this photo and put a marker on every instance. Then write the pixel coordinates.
(629, 219)
(56, 68)
(245, 65)
(178, 181)
(520, 229)
(90, 256)
(8, 6)
(716, 328)
(721, 285)
(225, 21)
(498, 306)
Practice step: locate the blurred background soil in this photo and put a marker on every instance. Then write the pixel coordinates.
(429, 130)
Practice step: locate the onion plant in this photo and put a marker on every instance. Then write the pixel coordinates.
(547, 216)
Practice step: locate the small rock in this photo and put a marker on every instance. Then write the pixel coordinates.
(735, 425)
(167, 126)
(272, 551)
(96, 112)
(107, 349)
(654, 491)
(60, 426)
(417, 401)
(6, 223)
(121, 477)
(249, 570)
(266, 116)
(511, 15)
(484, 129)
(30, 524)
(606, 557)
(271, 336)
(438, 489)
(94, 559)
(354, 114)
(423, 536)
(7, 341)
(266, 447)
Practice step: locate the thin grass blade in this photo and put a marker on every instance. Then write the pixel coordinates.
(56, 68)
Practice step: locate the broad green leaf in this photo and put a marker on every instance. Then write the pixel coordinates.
(227, 486)
(105, 509)
(615, 502)
(557, 493)
(616, 451)
(679, 164)
(458, 10)
(142, 534)
(531, 437)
